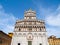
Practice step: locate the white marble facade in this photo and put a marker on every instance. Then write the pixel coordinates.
(29, 31)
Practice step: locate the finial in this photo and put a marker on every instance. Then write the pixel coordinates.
(30, 9)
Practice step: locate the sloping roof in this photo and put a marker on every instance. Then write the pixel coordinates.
(4, 35)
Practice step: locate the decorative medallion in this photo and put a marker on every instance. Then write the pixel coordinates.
(30, 36)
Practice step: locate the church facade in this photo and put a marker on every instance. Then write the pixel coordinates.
(30, 30)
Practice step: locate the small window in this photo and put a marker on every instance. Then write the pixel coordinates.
(30, 23)
(18, 43)
(40, 29)
(19, 29)
(29, 17)
(0, 41)
(30, 28)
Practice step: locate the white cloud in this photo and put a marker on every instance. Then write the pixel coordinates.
(7, 20)
(51, 16)
(53, 31)
(1, 7)
(54, 18)
(58, 9)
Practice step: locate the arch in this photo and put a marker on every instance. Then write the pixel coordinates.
(40, 44)
(18, 43)
(19, 29)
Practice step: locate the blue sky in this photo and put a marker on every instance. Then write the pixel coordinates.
(48, 10)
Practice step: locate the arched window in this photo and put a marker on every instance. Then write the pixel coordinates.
(40, 44)
(19, 29)
(18, 43)
(0, 41)
(40, 29)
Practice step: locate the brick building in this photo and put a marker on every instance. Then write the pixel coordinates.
(4, 39)
(53, 40)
